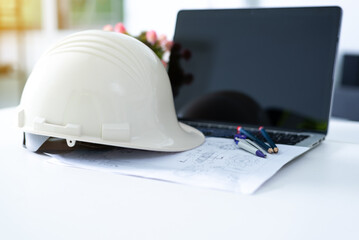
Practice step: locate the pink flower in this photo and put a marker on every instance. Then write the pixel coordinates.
(169, 45)
(164, 63)
(120, 28)
(108, 27)
(162, 39)
(151, 37)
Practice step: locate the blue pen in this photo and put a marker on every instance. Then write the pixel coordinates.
(256, 140)
(269, 140)
(255, 145)
(241, 142)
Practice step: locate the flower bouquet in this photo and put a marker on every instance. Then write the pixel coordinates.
(159, 44)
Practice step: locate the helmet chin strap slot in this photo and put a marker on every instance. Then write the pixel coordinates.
(40, 124)
(71, 142)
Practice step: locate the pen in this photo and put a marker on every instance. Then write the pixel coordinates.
(256, 140)
(255, 145)
(269, 140)
(247, 147)
(252, 143)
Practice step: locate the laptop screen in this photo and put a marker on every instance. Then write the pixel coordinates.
(270, 67)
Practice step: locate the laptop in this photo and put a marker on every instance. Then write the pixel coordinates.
(270, 67)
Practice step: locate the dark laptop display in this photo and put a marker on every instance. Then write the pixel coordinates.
(270, 67)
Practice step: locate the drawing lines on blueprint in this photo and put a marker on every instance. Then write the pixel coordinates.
(218, 163)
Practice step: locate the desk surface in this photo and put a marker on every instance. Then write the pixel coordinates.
(313, 197)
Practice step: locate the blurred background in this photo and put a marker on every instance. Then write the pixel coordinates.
(29, 27)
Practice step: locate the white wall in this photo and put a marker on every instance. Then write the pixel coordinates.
(160, 15)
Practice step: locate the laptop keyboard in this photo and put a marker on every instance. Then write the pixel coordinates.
(277, 137)
(283, 138)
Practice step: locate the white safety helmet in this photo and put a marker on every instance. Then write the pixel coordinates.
(104, 88)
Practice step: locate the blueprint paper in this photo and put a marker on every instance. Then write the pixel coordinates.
(217, 164)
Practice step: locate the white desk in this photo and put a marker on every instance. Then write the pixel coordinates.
(314, 197)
